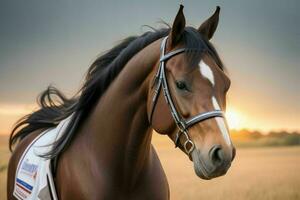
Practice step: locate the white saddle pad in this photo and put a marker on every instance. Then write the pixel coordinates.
(34, 179)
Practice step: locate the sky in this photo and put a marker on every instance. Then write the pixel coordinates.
(54, 42)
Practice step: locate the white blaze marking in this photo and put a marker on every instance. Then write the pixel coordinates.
(206, 71)
(221, 122)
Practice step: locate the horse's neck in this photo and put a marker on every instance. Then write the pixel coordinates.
(118, 132)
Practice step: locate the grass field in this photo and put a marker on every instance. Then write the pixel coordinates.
(4, 156)
(257, 173)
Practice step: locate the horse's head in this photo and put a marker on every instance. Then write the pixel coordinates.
(188, 97)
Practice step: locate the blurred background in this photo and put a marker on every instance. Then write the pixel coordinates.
(54, 42)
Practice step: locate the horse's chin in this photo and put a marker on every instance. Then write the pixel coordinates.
(199, 166)
(200, 174)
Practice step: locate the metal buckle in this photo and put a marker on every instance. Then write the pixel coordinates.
(192, 146)
(188, 144)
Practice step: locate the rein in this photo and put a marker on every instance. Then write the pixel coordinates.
(182, 124)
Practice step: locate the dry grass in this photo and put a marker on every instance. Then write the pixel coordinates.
(4, 156)
(257, 173)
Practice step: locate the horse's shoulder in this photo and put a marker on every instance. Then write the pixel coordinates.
(22, 145)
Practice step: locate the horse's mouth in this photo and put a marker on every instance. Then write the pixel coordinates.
(199, 166)
(202, 170)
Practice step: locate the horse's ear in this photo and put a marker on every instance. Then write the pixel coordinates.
(208, 28)
(177, 28)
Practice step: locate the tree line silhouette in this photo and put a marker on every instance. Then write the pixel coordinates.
(247, 138)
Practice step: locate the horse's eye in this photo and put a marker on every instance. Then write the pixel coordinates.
(181, 85)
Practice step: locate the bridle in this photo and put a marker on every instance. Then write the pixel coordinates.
(182, 124)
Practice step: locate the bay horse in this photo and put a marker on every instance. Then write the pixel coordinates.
(169, 80)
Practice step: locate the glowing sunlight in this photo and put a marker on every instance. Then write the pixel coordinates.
(235, 119)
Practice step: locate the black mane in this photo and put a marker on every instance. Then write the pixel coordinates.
(54, 106)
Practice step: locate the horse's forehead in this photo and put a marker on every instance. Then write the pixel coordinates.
(208, 69)
(206, 72)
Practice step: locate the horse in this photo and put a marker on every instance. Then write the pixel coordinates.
(170, 80)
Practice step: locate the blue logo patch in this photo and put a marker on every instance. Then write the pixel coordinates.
(29, 168)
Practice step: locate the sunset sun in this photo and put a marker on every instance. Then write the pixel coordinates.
(234, 119)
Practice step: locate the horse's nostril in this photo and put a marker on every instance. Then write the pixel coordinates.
(217, 155)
